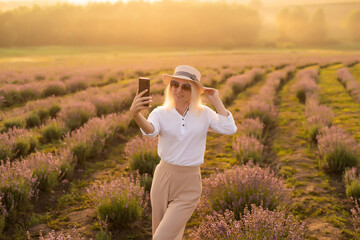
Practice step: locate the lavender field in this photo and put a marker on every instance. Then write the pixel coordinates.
(74, 165)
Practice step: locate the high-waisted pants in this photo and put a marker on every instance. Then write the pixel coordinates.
(175, 193)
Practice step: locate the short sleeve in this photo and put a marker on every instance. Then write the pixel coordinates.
(222, 124)
(153, 118)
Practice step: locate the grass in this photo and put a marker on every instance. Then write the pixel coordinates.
(333, 94)
(313, 197)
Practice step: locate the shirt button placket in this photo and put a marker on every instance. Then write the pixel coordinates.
(182, 126)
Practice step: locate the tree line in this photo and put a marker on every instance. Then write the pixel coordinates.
(166, 23)
(163, 24)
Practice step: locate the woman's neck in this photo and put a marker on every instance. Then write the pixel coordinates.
(181, 108)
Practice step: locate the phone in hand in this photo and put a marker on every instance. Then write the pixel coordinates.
(144, 83)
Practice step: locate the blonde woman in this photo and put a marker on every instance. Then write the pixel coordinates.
(182, 123)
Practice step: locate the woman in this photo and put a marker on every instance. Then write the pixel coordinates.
(182, 123)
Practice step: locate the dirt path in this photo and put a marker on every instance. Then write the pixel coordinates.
(318, 199)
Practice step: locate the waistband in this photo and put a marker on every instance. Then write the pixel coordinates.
(178, 168)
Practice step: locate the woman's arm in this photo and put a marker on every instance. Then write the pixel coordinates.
(136, 106)
(143, 123)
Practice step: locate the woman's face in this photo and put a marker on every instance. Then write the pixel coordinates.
(181, 93)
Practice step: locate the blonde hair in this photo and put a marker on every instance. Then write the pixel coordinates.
(196, 104)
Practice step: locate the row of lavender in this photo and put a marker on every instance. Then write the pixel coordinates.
(29, 85)
(47, 121)
(351, 176)
(248, 201)
(55, 122)
(22, 179)
(337, 150)
(24, 176)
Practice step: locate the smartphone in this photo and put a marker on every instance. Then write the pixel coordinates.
(144, 83)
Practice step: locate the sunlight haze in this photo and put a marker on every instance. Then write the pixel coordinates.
(88, 1)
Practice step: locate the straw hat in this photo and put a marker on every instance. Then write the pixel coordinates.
(187, 73)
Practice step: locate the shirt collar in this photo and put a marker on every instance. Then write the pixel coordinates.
(186, 110)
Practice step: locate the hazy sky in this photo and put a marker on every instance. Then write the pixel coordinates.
(86, 1)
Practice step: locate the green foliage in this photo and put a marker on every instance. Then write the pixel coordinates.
(120, 211)
(77, 120)
(313, 131)
(255, 156)
(145, 162)
(25, 146)
(146, 181)
(14, 122)
(53, 110)
(81, 152)
(76, 86)
(264, 117)
(33, 120)
(301, 95)
(56, 90)
(46, 179)
(15, 197)
(28, 94)
(103, 235)
(43, 114)
(336, 161)
(2, 225)
(12, 97)
(353, 190)
(51, 133)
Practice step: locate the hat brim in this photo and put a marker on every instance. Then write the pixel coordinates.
(167, 78)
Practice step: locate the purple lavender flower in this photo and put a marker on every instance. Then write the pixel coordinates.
(241, 186)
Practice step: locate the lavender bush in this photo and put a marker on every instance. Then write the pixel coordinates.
(352, 183)
(305, 84)
(261, 110)
(17, 183)
(52, 131)
(33, 120)
(89, 140)
(142, 154)
(76, 114)
(240, 82)
(252, 128)
(349, 82)
(47, 168)
(337, 149)
(54, 88)
(258, 223)
(121, 201)
(17, 142)
(238, 187)
(17, 122)
(246, 148)
(317, 117)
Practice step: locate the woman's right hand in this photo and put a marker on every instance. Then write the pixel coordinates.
(139, 101)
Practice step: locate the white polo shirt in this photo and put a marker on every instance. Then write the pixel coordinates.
(182, 139)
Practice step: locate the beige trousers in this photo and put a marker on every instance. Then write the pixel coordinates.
(175, 193)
